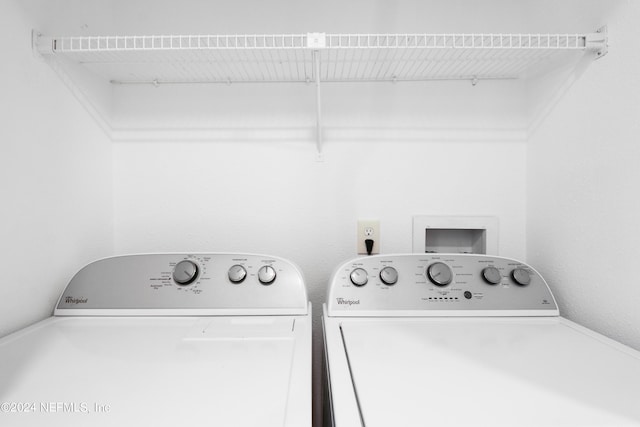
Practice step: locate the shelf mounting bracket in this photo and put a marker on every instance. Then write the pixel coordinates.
(598, 42)
(40, 44)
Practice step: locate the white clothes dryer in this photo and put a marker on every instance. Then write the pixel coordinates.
(166, 340)
(466, 340)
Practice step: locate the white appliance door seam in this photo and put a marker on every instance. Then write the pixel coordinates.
(355, 389)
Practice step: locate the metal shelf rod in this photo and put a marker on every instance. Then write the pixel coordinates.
(316, 60)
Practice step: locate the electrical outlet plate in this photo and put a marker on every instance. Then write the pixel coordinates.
(368, 229)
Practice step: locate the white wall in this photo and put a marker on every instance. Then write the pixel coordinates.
(275, 198)
(584, 186)
(55, 180)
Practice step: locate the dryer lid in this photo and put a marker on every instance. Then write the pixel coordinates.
(498, 372)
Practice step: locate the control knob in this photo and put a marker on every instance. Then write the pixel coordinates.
(266, 275)
(389, 276)
(440, 274)
(185, 272)
(521, 276)
(237, 273)
(491, 275)
(359, 277)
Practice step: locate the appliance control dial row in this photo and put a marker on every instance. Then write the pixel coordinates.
(440, 274)
(266, 274)
(388, 276)
(185, 272)
(492, 276)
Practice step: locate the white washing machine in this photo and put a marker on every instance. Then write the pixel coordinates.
(466, 340)
(166, 340)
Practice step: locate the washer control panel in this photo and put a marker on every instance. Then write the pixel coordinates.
(210, 283)
(438, 285)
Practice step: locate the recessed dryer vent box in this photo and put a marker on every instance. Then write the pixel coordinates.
(455, 234)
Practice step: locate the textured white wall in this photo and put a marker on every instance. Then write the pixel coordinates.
(584, 185)
(275, 198)
(55, 180)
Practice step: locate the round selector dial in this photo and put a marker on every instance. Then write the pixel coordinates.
(521, 276)
(359, 277)
(266, 275)
(237, 273)
(440, 274)
(185, 272)
(491, 275)
(389, 276)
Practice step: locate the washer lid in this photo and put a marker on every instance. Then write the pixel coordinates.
(507, 372)
(165, 371)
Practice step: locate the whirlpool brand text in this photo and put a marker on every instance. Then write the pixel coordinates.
(349, 302)
(72, 300)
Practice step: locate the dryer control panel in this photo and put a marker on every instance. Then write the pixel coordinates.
(186, 284)
(438, 285)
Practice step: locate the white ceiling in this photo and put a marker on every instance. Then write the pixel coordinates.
(129, 17)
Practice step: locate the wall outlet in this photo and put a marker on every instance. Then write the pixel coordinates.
(368, 229)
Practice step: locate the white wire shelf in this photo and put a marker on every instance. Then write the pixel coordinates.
(311, 57)
(292, 57)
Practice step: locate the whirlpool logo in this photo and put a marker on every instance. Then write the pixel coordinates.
(72, 300)
(349, 302)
